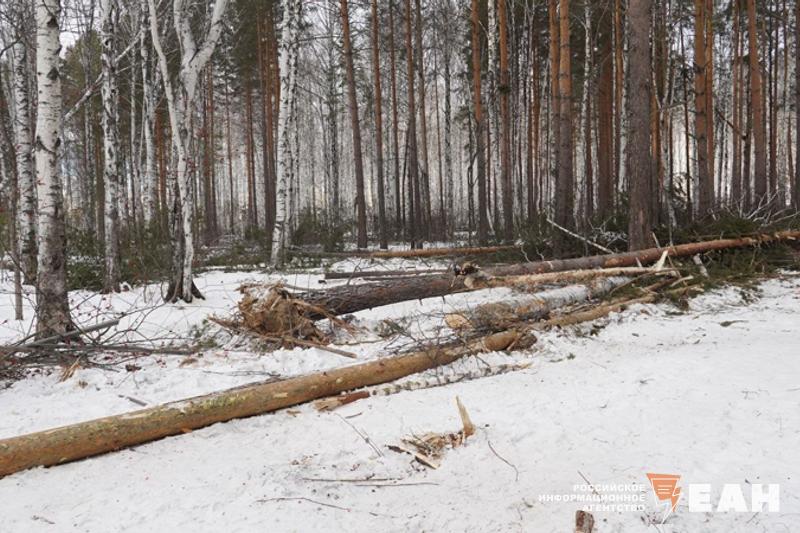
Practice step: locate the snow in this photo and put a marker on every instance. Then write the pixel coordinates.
(710, 393)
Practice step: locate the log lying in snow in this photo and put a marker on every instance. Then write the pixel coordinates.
(78, 441)
(382, 274)
(501, 315)
(425, 252)
(441, 252)
(352, 298)
(531, 281)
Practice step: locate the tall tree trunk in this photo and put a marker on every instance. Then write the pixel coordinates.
(288, 72)
(639, 145)
(756, 102)
(483, 220)
(398, 209)
(555, 121)
(796, 188)
(448, 128)
(736, 172)
(425, 176)
(702, 116)
(505, 132)
(564, 215)
(587, 95)
(619, 76)
(376, 67)
(605, 111)
(361, 209)
(180, 103)
(24, 151)
(52, 304)
(108, 36)
(149, 174)
(415, 198)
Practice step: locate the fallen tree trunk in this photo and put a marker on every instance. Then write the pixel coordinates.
(531, 281)
(425, 252)
(85, 439)
(382, 274)
(502, 315)
(352, 298)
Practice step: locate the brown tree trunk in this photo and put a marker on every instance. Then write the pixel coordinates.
(736, 172)
(618, 85)
(702, 116)
(376, 67)
(605, 111)
(505, 131)
(361, 208)
(756, 102)
(640, 165)
(564, 200)
(414, 197)
(483, 220)
(555, 102)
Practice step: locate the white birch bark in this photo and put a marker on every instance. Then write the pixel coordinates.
(288, 68)
(51, 283)
(110, 98)
(149, 174)
(26, 214)
(180, 102)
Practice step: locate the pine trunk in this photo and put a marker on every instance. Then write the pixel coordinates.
(639, 143)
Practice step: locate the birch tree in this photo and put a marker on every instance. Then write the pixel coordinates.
(181, 97)
(26, 213)
(149, 176)
(110, 97)
(288, 73)
(51, 283)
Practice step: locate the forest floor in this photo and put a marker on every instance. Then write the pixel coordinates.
(710, 393)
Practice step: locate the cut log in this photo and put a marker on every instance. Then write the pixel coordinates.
(382, 274)
(501, 315)
(353, 298)
(425, 252)
(443, 252)
(531, 281)
(85, 439)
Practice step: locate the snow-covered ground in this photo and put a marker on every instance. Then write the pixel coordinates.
(711, 394)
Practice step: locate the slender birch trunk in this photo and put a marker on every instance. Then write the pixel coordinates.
(149, 172)
(180, 102)
(110, 98)
(26, 213)
(288, 71)
(52, 311)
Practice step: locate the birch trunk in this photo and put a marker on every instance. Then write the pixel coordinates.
(287, 69)
(149, 173)
(110, 98)
(27, 189)
(51, 284)
(180, 102)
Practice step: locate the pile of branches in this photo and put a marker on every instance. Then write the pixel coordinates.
(75, 349)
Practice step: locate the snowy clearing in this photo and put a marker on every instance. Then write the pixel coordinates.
(710, 394)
